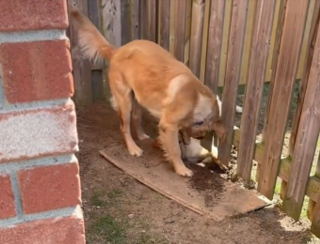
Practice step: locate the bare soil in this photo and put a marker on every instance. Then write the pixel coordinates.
(120, 210)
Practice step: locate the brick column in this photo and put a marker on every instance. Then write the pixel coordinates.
(39, 174)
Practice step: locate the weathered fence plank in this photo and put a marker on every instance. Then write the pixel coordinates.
(311, 42)
(225, 42)
(96, 67)
(282, 92)
(230, 90)
(204, 38)
(81, 66)
(126, 22)
(187, 32)
(135, 19)
(152, 20)
(254, 88)
(196, 35)
(247, 42)
(214, 44)
(315, 227)
(111, 21)
(306, 141)
(179, 29)
(164, 24)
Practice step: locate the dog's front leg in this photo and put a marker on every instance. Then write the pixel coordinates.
(169, 137)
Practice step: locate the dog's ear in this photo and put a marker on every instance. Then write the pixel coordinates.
(220, 130)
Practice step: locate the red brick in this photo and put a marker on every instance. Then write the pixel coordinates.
(49, 187)
(58, 231)
(34, 71)
(17, 15)
(7, 206)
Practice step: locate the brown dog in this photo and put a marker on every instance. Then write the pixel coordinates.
(141, 73)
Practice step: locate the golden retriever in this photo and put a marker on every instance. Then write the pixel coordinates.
(143, 74)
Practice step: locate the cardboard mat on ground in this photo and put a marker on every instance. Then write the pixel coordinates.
(205, 193)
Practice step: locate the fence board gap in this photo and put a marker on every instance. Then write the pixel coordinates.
(230, 90)
(285, 74)
(214, 44)
(198, 7)
(254, 87)
(81, 67)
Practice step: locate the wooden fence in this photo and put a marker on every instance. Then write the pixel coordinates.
(229, 43)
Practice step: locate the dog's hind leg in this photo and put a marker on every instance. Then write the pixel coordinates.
(137, 120)
(122, 95)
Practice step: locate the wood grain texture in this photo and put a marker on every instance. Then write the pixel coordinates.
(111, 21)
(312, 203)
(179, 29)
(126, 22)
(305, 76)
(278, 15)
(229, 96)
(306, 141)
(248, 42)
(282, 92)
(225, 42)
(198, 7)
(254, 89)
(81, 67)
(315, 227)
(187, 32)
(135, 19)
(151, 19)
(204, 38)
(164, 24)
(214, 44)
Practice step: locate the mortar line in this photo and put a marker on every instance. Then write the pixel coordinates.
(11, 167)
(51, 214)
(16, 194)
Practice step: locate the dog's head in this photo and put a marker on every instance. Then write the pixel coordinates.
(212, 123)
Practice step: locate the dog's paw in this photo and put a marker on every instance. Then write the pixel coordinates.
(143, 136)
(134, 150)
(185, 172)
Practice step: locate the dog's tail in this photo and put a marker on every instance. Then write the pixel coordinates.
(92, 44)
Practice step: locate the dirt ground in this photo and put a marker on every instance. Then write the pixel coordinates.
(120, 210)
